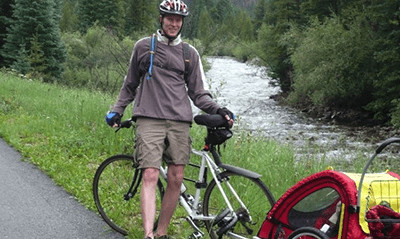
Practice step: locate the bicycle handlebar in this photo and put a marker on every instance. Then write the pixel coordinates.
(124, 124)
(210, 121)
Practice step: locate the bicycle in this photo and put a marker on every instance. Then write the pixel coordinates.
(235, 200)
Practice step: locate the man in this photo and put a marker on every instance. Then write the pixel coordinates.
(156, 80)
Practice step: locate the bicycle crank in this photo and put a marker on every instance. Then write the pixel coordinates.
(226, 226)
(198, 233)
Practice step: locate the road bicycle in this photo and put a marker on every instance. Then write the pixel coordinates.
(232, 203)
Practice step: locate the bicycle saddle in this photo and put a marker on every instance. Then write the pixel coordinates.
(211, 121)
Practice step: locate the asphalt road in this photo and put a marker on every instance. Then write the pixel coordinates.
(32, 206)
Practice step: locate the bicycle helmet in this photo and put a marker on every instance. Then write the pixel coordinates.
(175, 7)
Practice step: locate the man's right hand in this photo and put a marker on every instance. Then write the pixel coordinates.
(113, 119)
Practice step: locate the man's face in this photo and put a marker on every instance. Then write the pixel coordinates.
(172, 24)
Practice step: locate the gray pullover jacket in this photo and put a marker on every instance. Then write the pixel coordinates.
(165, 94)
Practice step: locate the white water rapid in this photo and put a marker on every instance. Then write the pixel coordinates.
(246, 90)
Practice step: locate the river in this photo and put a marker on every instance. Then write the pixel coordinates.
(247, 89)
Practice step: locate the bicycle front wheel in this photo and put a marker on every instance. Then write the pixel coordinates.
(255, 200)
(111, 187)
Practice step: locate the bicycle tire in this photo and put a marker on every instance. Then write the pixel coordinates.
(111, 182)
(257, 198)
(308, 233)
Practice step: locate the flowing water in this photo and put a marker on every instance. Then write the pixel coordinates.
(246, 90)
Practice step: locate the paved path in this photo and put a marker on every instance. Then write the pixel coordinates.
(32, 206)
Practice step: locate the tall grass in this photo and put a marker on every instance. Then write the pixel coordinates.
(62, 131)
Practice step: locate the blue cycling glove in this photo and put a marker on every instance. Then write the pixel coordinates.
(113, 118)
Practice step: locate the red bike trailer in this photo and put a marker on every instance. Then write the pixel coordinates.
(326, 205)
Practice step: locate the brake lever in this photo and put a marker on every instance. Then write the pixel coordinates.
(119, 127)
(124, 124)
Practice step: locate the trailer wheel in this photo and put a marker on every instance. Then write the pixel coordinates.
(307, 233)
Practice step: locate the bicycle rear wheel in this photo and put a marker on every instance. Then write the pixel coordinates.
(111, 184)
(256, 197)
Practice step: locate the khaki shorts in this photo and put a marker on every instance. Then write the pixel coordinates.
(162, 139)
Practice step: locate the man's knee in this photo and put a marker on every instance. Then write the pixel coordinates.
(175, 175)
(150, 175)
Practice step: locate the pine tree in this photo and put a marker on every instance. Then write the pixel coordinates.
(206, 28)
(5, 15)
(259, 14)
(244, 28)
(36, 58)
(192, 22)
(21, 64)
(320, 8)
(223, 9)
(69, 18)
(141, 16)
(36, 17)
(106, 13)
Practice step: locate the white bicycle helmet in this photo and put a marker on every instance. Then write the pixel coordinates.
(175, 7)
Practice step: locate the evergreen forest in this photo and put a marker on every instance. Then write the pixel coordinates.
(323, 53)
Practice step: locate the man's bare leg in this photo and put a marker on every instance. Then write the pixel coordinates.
(148, 199)
(175, 178)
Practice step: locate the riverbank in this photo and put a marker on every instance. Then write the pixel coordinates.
(357, 120)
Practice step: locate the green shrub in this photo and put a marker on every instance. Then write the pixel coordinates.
(274, 54)
(96, 60)
(331, 65)
(243, 51)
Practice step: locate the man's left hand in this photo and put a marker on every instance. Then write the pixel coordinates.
(227, 114)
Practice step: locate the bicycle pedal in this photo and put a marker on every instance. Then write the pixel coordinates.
(229, 224)
(127, 196)
(220, 216)
(196, 235)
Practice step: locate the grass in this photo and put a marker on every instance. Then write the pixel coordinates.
(62, 131)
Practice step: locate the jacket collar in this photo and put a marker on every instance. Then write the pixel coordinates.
(165, 40)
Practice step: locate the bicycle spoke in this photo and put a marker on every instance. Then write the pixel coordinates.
(251, 192)
(111, 183)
